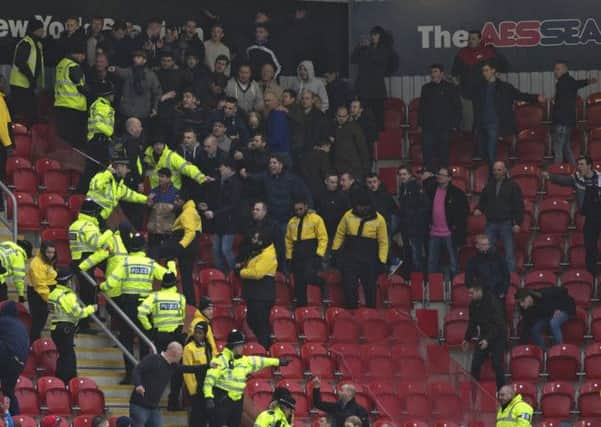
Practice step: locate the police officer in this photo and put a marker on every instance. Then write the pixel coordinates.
(13, 259)
(362, 240)
(101, 126)
(27, 73)
(130, 283)
(225, 382)
(306, 244)
(280, 412)
(85, 238)
(70, 103)
(167, 309)
(113, 248)
(107, 188)
(197, 352)
(513, 412)
(66, 312)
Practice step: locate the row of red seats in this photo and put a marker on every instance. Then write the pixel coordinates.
(27, 180)
(77, 421)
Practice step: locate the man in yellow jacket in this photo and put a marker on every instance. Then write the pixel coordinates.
(306, 244)
(513, 412)
(204, 314)
(225, 382)
(40, 275)
(258, 285)
(13, 259)
(197, 352)
(361, 249)
(108, 188)
(66, 313)
(6, 134)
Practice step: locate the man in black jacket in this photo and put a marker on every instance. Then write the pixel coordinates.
(486, 328)
(439, 113)
(564, 110)
(448, 218)
(502, 202)
(367, 122)
(332, 204)
(488, 267)
(493, 110)
(591, 207)
(542, 309)
(14, 348)
(345, 407)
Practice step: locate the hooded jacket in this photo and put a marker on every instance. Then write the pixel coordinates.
(189, 222)
(12, 331)
(312, 83)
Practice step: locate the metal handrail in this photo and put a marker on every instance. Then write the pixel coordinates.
(10, 194)
(126, 319)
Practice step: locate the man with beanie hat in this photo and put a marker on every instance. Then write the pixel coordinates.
(66, 311)
(27, 73)
(225, 382)
(14, 349)
(280, 411)
(205, 311)
(13, 258)
(167, 309)
(361, 248)
(197, 352)
(70, 103)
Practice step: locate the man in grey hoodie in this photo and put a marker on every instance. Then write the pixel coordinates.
(306, 80)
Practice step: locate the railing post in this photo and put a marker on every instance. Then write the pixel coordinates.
(10, 194)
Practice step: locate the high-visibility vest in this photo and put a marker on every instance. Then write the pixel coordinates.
(101, 118)
(229, 374)
(116, 249)
(14, 260)
(107, 192)
(17, 78)
(175, 163)
(517, 413)
(134, 276)
(84, 236)
(167, 308)
(272, 418)
(65, 307)
(65, 91)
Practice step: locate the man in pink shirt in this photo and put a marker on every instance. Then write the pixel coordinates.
(448, 221)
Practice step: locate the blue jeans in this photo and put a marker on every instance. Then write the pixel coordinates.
(223, 252)
(554, 324)
(434, 247)
(416, 244)
(487, 139)
(502, 230)
(144, 417)
(436, 145)
(561, 145)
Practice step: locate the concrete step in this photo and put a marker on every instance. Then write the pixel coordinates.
(94, 341)
(103, 377)
(100, 363)
(99, 353)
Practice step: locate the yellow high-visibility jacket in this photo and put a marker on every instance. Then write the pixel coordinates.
(195, 355)
(101, 118)
(199, 317)
(176, 163)
(188, 221)
(314, 229)
(41, 275)
(107, 192)
(517, 413)
(65, 307)
(5, 121)
(14, 260)
(167, 309)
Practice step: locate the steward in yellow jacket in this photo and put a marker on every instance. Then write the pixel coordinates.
(160, 156)
(306, 243)
(13, 260)
(108, 188)
(258, 285)
(225, 382)
(6, 136)
(40, 275)
(197, 352)
(513, 412)
(361, 249)
(204, 314)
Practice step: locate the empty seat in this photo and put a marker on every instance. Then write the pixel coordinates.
(75, 201)
(315, 330)
(29, 217)
(284, 330)
(80, 383)
(380, 367)
(563, 361)
(44, 384)
(455, 324)
(345, 330)
(526, 363)
(540, 279)
(574, 329)
(527, 176)
(29, 403)
(557, 399)
(547, 252)
(83, 421)
(528, 392)
(529, 115)
(58, 402)
(25, 420)
(44, 165)
(45, 353)
(556, 190)
(91, 402)
(415, 397)
(23, 145)
(389, 145)
(446, 402)
(579, 284)
(592, 361)
(25, 181)
(588, 399)
(58, 216)
(554, 216)
(56, 181)
(531, 144)
(374, 330)
(220, 292)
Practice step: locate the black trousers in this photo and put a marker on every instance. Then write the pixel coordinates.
(129, 304)
(64, 339)
(227, 412)
(10, 369)
(197, 416)
(376, 105)
(3, 291)
(24, 105)
(86, 291)
(39, 313)
(162, 340)
(305, 271)
(71, 125)
(591, 231)
(496, 350)
(3, 158)
(187, 258)
(257, 316)
(97, 148)
(364, 270)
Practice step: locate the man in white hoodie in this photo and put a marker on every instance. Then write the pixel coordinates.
(306, 80)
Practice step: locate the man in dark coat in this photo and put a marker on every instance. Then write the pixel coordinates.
(365, 119)
(350, 149)
(254, 158)
(488, 267)
(331, 204)
(493, 107)
(448, 218)
(14, 348)
(346, 406)
(543, 309)
(340, 91)
(439, 113)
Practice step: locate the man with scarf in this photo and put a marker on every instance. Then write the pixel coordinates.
(362, 243)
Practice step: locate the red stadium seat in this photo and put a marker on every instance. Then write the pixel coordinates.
(405, 332)
(44, 384)
(540, 279)
(399, 296)
(527, 176)
(445, 401)
(529, 115)
(554, 216)
(29, 217)
(209, 274)
(374, 330)
(60, 238)
(547, 252)
(19, 129)
(480, 178)
(576, 250)
(461, 177)
(258, 385)
(528, 392)
(393, 119)
(563, 361)
(389, 145)
(531, 145)
(389, 405)
(557, 399)
(588, 399)
(45, 200)
(375, 350)
(380, 367)
(574, 329)
(284, 330)
(59, 216)
(345, 330)
(592, 361)
(593, 110)
(579, 284)
(461, 149)
(455, 324)
(415, 398)
(222, 326)
(526, 363)
(556, 190)
(416, 423)
(303, 313)
(25, 420)
(24, 382)
(350, 366)
(254, 349)
(220, 292)
(25, 181)
(413, 110)
(80, 383)
(280, 312)
(459, 293)
(58, 402)
(29, 403)
(75, 201)
(56, 181)
(13, 163)
(44, 165)
(315, 330)
(91, 402)
(83, 421)
(321, 365)
(23, 145)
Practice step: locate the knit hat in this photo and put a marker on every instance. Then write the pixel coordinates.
(123, 422)
(204, 303)
(50, 421)
(33, 25)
